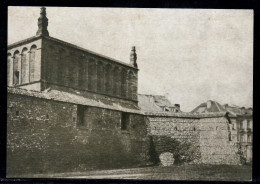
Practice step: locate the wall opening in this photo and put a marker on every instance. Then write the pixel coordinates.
(17, 113)
(124, 121)
(80, 114)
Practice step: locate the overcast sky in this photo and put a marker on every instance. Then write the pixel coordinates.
(190, 55)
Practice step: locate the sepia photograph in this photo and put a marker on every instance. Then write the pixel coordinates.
(130, 93)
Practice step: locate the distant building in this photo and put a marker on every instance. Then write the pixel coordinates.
(244, 127)
(209, 106)
(241, 123)
(156, 103)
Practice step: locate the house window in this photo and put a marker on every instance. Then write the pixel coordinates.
(47, 116)
(124, 121)
(248, 124)
(194, 128)
(241, 138)
(17, 113)
(234, 126)
(249, 138)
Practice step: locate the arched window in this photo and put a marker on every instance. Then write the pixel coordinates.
(123, 83)
(134, 86)
(130, 85)
(119, 84)
(115, 81)
(92, 75)
(53, 64)
(32, 60)
(25, 66)
(67, 68)
(9, 70)
(100, 77)
(16, 69)
(59, 59)
(108, 79)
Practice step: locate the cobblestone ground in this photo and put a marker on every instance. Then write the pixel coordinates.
(182, 172)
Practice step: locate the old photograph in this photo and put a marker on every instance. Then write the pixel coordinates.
(129, 93)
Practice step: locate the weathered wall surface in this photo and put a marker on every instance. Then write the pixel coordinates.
(67, 66)
(205, 140)
(216, 143)
(179, 136)
(45, 136)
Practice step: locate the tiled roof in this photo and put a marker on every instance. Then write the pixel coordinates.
(62, 96)
(215, 107)
(153, 103)
(162, 101)
(146, 103)
(73, 98)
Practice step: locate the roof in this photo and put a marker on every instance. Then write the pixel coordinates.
(153, 103)
(187, 115)
(238, 110)
(215, 107)
(146, 103)
(70, 45)
(162, 101)
(62, 96)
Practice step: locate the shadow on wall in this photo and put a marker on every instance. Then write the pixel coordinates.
(183, 151)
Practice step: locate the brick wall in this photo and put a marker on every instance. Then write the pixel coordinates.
(44, 136)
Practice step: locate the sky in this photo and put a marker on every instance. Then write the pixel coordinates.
(188, 55)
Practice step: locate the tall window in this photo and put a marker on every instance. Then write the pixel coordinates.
(32, 60)
(115, 81)
(248, 124)
(100, 78)
(24, 70)
(108, 78)
(241, 138)
(124, 121)
(9, 69)
(249, 138)
(123, 83)
(92, 76)
(16, 68)
(130, 85)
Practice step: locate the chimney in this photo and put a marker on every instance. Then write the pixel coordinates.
(133, 57)
(209, 102)
(42, 23)
(225, 106)
(177, 106)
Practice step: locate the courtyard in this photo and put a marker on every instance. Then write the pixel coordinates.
(179, 172)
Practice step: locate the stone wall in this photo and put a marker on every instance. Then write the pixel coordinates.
(46, 136)
(194, 140)
(216, 143)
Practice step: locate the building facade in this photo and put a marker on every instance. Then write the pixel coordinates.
(70, 109)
